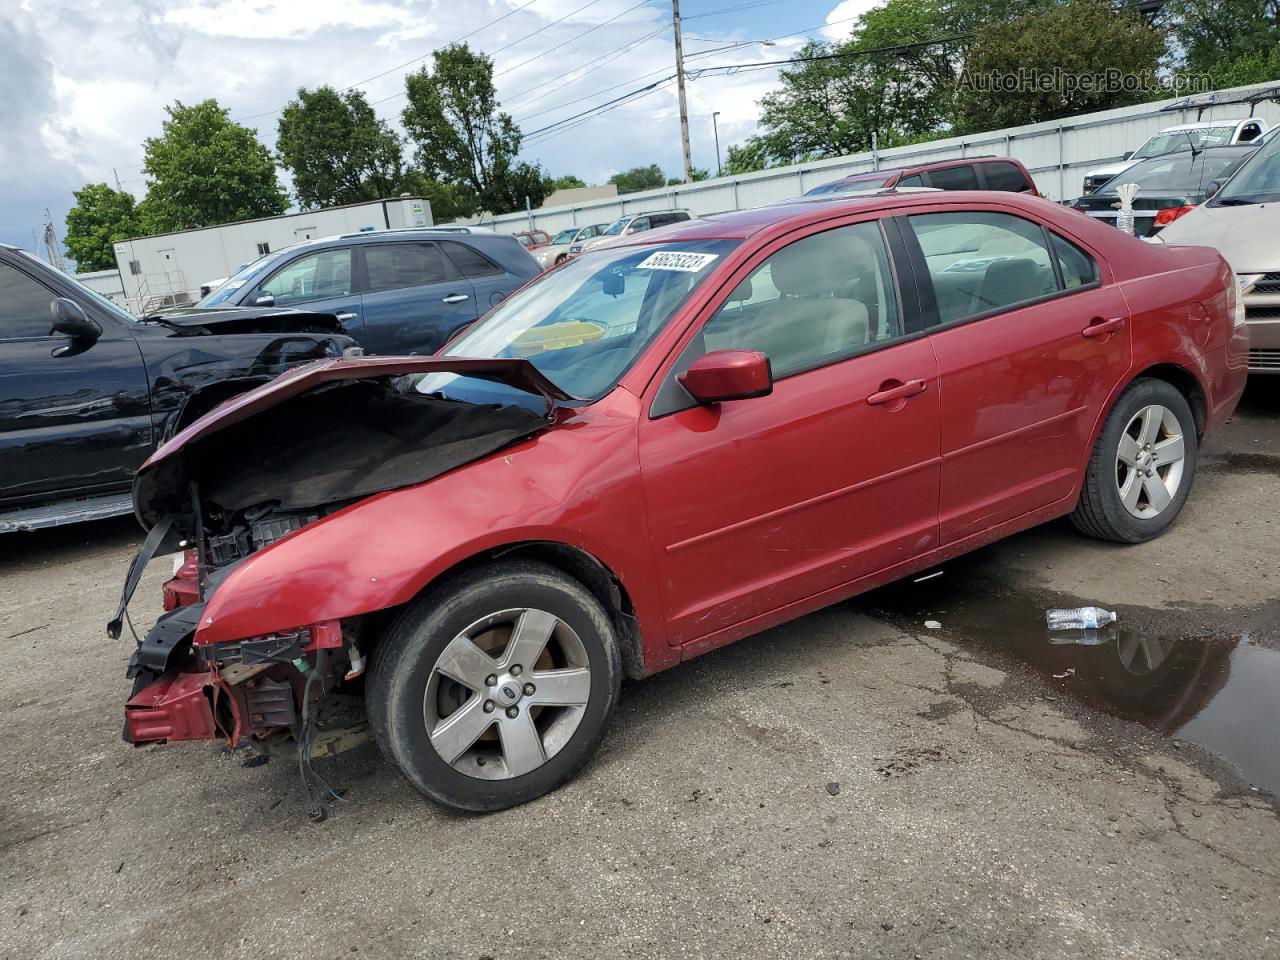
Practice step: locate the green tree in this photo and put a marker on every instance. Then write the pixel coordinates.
(567, 182)
(448, 201)
(639, 178)
(1058, 61)
(337, 149)
(204, 170)
(100, 217)
(462, 138)
(747, 157)
(1234, 41)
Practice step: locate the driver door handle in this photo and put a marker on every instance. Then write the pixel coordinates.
(888, 392)
(1101, 328)
(455, 298)
(345, 316)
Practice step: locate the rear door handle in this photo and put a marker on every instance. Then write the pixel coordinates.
(1100, 327)
(345, 316)
(892, 390)
(455, 298)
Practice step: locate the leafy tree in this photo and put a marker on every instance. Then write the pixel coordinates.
(567, 182)
(639, 178)
(747, 157)
(206, 170)
(100, 217)
(448, 201)
(1076, 40)
(337, 149)
(462, 138)
(696, 174)
(1234, 41)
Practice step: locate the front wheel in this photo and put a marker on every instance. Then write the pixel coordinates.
(1142, 466)
(495, 687)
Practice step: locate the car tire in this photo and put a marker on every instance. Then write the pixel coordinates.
(1142, 465)
(423, 674)
(561, 259)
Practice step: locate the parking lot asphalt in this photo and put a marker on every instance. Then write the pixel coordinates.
(852, 784)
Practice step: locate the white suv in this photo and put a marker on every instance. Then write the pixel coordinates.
(633, 223)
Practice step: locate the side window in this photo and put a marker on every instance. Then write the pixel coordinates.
(914, 180)
(816, 301)
(24, 305)
(962, 177)
(393, 266)
(1004, 176)
(638, 225)
(317, 276)
(980, 262)
(469, 261)
(1078, 268)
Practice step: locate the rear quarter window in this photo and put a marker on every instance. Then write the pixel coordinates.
(954, 178)
(469, 261)
(1004, 176)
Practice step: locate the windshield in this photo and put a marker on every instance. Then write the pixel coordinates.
(88, 291)
(566, 236)
(1257, 180)
(617, 227)
(584, 324)
(234, 283)
(1176, 174)
(852, 186)
(1179, 141)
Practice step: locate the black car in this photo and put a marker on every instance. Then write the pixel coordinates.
(1168, 186)
(87, 391)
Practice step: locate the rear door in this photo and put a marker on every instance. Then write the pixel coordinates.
(1030, 341)
(759, 503)
(490, 282)
(75, 418)
(415, 298)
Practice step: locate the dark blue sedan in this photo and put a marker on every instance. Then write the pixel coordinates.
(395, 292)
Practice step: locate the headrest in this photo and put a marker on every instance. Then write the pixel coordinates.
(823, 264)
(742, 291)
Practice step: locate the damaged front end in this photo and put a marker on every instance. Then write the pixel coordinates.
(261, 468)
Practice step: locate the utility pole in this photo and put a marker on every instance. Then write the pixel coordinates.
(684, 109)
(715, 130)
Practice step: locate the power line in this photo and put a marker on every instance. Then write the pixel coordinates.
(606, 57)
(552, 131)
(738, 68)
(741, 6)
(574, 38)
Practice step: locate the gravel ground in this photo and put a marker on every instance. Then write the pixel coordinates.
(852, 784)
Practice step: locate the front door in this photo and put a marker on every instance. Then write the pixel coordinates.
(414, 299)
(322, 281)
(74, 418)
(756, 504)
(1030, 342)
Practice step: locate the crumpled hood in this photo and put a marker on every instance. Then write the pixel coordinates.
(160, 488)
(1244, 235)
(192, 321)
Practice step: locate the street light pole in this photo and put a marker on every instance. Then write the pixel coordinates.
(716, 131)
(684, 109)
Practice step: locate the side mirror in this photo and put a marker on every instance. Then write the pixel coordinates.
(1127, 154)
(1211, 188)
(70, 320)
(263, 298)
(728, 375)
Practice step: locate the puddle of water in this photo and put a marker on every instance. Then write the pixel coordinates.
(1221, 692)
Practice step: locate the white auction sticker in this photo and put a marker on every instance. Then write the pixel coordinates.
(674, 260)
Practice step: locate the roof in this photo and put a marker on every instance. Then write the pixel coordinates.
(1206, 124)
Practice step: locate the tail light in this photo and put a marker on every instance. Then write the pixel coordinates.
(1170, 214)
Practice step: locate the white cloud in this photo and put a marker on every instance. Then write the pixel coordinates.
(88, 82)
(840, 19)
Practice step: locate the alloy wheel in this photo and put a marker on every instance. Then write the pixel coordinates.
(507, 693)
(1149, 462)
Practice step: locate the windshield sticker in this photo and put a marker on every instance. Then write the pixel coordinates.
(673, 260)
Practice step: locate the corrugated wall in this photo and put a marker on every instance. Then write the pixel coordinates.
(1057, 153)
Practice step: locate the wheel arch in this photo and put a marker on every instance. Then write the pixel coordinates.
(582, 566)
(1182, 380)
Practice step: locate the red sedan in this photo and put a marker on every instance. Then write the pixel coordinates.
(656, 449)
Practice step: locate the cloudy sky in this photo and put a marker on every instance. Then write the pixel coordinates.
(85, 81)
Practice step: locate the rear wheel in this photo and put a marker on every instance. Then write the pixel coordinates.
(495, 687)
(561, 258)
(1142, 466)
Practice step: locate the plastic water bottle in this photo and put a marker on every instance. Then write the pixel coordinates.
(1081, 618)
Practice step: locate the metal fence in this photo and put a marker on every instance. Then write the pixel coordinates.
(1058, 153)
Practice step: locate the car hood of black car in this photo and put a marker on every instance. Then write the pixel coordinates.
(194, 321)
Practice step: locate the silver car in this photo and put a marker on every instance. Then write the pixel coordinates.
(1241, 219)
(557, 251)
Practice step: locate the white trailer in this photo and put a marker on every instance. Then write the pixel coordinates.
(168, 269)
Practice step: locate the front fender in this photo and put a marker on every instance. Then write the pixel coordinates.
(577, 484)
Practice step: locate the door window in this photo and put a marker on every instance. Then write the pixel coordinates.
(317, 276)
(912, 181)
(954, 178)
(470, 262)
(394, 266)
(638, 225)
(820, 299)
(24, 306)
(981, 262)
(1004, 176)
